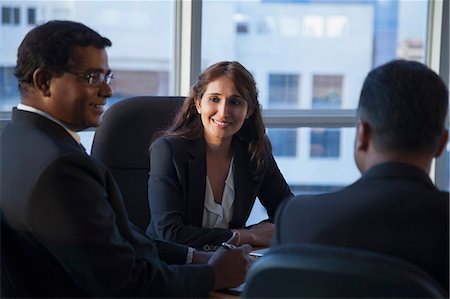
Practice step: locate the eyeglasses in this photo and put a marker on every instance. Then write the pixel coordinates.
(94, 78)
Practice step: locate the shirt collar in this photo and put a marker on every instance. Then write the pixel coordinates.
(72, 133)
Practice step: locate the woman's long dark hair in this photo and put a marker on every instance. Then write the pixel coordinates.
(187, 123)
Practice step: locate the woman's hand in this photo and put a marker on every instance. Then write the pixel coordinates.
(257, 235)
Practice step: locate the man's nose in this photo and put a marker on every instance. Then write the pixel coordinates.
(105, 90)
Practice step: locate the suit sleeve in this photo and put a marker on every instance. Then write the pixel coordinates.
(167, 201)
(274, 188)
(77, 214)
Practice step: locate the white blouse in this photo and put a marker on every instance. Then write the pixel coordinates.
(219, 215)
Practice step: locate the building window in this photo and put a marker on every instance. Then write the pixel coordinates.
(327, 92)
(325, 143)
(31, 12)
(289, 27)
(284, 142)
(283, 90)
(266, 25)
(241, 22)
(10, 15)
(136, 72)
(313, 26)
(241, 28)
(16, 12)
(337, 26)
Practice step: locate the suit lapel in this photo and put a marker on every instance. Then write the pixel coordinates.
(197, 182)
(30, 119)
(244, 187)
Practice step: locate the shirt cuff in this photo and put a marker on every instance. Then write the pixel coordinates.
(190, 255)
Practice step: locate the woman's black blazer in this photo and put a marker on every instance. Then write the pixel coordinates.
(176, 191)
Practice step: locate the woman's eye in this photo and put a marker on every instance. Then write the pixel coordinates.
(214, 99)
(235, 101)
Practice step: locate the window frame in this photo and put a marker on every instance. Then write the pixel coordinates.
(436, 57)
(187, 57)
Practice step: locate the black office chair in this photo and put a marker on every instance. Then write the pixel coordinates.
(309, 271)
(122, 143)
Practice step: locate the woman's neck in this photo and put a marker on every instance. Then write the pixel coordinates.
(222, 148)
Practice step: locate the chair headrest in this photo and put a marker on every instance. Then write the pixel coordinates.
(124, 137)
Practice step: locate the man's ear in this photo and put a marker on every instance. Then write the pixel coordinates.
(362, 135)
(442, 144)
(41, 81)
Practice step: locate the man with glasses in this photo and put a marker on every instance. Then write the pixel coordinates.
(62, 213)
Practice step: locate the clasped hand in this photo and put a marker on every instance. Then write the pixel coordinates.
(230, 265)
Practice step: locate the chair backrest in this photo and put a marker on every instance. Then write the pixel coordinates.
(309, 271)
(122, 143)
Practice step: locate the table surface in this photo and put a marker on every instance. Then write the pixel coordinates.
(219, 295)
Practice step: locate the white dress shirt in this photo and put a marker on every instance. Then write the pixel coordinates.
(46, 115)
(219, 215)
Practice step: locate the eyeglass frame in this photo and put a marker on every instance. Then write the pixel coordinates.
(89, 76)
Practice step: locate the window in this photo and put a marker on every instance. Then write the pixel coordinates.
(142, 33)
(325, 143)
(335, 38)
(289, 27)
(327, 92)
(284, 142)
(310, 75)
(31, 16)
(241, 23)
(283, 90)
(306, 174)
(241, 27)
(313, 26)
(10, 15)
(142, 55)
(337, 26)
(266, 25)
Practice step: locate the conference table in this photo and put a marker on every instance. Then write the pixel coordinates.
(222, 295)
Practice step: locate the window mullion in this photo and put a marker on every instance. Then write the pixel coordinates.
(188, 44)
(319, 118)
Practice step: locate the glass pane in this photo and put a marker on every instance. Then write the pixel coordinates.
(284, 142)
(16, 15)
(283, 90)
(327, 91)
(6, 15)
(31, 16)
(307, 172)
(312, 53)
(142, 33)
(325, 143)
(311, 175)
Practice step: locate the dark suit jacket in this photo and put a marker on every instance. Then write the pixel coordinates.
(67, 209)
(393, 209)
(176, 191)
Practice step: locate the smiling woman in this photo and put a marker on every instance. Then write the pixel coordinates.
(208, 167)
(222, 110)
